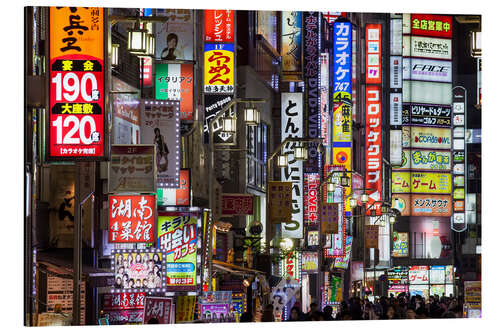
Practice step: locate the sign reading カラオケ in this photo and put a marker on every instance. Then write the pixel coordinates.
(76, 110)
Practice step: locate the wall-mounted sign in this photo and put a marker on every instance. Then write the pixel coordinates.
(178, 236)
(396, 37)
(396, 148)
(213, 105)
(422, 159)
(396, 72)
(131, 218)
(343, 262)
(280, 201)
(396, 108)
(418, 69)
(159, 308)
(132, 169)
(160, 122)
(329, 218)
(236, 204)
(175, 82)
(309, 261)
(174, 37)
(427, 137)
(138, 269)
(428, 115)
(431, 205)
(373, 53)
(431, 25)
(126, 113)
(219, 69)
(290, 268)
(219, 25)
(421, 182)
(311, 196)
(374, 145)
(400, 244)
(291, 127)
(371, 236)
(76, 58)
(427, 92)
(176, 196)
(425, 47)
(291, 41)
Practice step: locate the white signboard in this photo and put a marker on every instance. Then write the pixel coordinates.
(425, 47)
(427, 92)
(396, 104)
(396, 72)
(292, 126)
(427, 70)
(396, 147)
(396, 37)
(430, 137)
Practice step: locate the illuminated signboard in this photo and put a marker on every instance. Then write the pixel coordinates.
(309, 261)
(426, 115)
(425, 47)
(292, 126)
(373, 53)
(177, 28)
(160, 122)
(76, 111)
(421, 182)
(431, 138)
(431, 25)
(311, 195)
(132, 169)
(374, 146)
(426, 92)
(291, 41)
(131, 218)
(335, 244)
(290, 267)
(175, 82)
(427, 70)
(400, 244)
(138, 269)
(219, 69)
(219, 25)
(423, 159)
(178, 236)
(422, 204)
(176, 196)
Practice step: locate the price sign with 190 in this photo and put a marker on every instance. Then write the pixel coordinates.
(76, 107)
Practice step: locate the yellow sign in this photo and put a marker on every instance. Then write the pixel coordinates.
(421, 182)
(219, 68)
(342, 157)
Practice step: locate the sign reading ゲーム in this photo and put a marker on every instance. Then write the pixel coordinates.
(76, 112)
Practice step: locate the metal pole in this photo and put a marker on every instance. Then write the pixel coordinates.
(77, 249)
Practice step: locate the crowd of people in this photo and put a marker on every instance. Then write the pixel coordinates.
(401, 307)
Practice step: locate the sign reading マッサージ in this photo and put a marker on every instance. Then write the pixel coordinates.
(76, 111)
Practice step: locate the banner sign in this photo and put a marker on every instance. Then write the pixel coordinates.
(131, 218)
(175, 82)
(312, 89)
(329, 218)
(132, 169)
(213, 105)
(423, 159)
(427, 115)
(138, 269)
(371, 236)
(431, 25)
(344, 261)
(124, 301)
(160, 126)
(425, 47)
(309, 262)
(431, 138)
(178, 235)
(421, 182)
(373, 53)
(174, 38)
(219, 26)
(311, 196)
(159, 308)
(237, 204)
(427, 70)
(374, 146)
(292, 127)
(280, 201)
(219, 69)
(176, 196)
(76, 112)
(400, 244)
(291, 41)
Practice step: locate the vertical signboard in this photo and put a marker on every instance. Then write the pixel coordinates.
(373, 53)
(132, 169)
(291, 41)
(431, 25)
(160, 126)
(342, 102)
(219, 68)
(174, 38)
(292, 127)
(280, 201)
(138, 270)
(373, 147)
(177, 196)
(159, 308)
(175, 82)
(219, 26)
(76, 83)
(458, 219)
(311, 196)
(178, 236)
(312, 95)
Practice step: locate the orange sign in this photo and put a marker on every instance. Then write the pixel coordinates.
(76, 30)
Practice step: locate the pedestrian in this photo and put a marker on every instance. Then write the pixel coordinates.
(410, 313)
(317, 316)
(294, 314)
(312, 308)
(327, 313)
(390, 313)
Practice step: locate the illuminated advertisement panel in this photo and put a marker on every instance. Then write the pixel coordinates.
(311, 196)
(400, 244)
(431, 25)
(421, 182)
(425, 47)
(219, 69)
(431, 138)
(292, 126)
(373, 53)
(423, 159)
(175, 82)
(374, 146)
(291, 41)
(219, 25)
(76, 90)
(427, 70)
(427, 92)
(138, 269)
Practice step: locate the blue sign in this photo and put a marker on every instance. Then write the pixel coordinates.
(341, 59)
